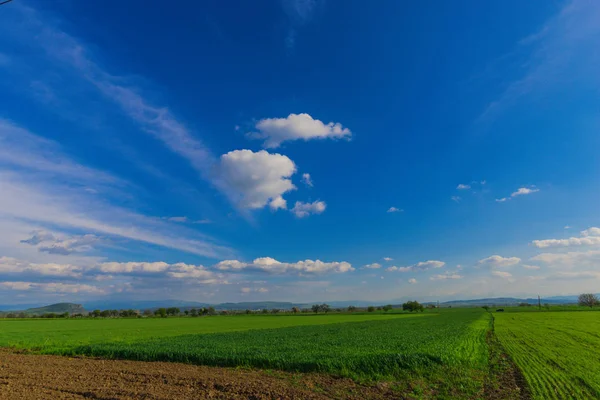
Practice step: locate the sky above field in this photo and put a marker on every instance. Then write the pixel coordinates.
(298, 150)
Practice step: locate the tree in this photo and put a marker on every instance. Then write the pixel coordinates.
(486, 308)
(412, 306)
(387, 308)
(147, 313)
(275, 311)
(211, 311)
(264, 311)
(186, 312)
(194, 312)
(588, 300)
(173, 311)
(325, 308)
(95, 313)
(351, 308)
(295, 310)
(161, 312)
(370, 309)
(316, 308)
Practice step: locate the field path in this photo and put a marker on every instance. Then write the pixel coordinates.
(25, 376)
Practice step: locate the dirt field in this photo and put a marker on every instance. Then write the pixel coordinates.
(24, 376)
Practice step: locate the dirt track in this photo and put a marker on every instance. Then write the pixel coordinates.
(24, 376)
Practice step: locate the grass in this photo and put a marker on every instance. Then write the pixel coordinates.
(42, 334)
(558, 353)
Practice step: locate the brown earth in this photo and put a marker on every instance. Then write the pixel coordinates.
(26, 376)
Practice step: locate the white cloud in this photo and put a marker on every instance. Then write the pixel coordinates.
(302, 210)
(412, 281)
(497, 261)
(567, 227)
(132, 267)
(10, 265)
(420, 266)
(573, 241)
(531, 267)
(455, 198)
(445, 277)
(71, 245)
(570, 259)
(196, 272)
(252, 180)
(38, 237)
(272, 266)
(591, 232)
(278, 203)
(589, 237)
(394, 210)
(372, 266)
(502, 274)
(296, 126)
(463, 187)
(522, 191)
(307, 180)
(52, 287)
(388, 259)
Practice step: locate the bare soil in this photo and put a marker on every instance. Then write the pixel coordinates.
(27, 376)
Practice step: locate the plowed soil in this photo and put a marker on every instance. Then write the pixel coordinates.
(27, 376)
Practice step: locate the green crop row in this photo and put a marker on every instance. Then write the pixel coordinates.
(558, 353)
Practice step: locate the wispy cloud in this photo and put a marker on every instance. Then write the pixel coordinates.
(561, 52)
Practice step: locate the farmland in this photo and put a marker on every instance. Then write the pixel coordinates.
(557, 352)
(56, 334)
(428, 353)
(449, 353)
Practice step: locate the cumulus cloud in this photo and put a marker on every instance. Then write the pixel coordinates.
(307, 180)
(10, 265)
(531, 267)
(133, 267)
(445, 277)
(588, 237)
(272, 266)
(252, 180)
(275, 131)
(502, 274)
(412, 281)
(372, 266)
(278, 203)
(497, 261)
(570, 259)
(420, 266)
(302, 210)
(394, 210)
(387, 258)
(196, 272)
(463, 186)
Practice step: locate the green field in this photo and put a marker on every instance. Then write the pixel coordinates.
(558, 352)
(55, 334)
(441, 355)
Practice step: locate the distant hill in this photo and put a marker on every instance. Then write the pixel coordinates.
(58, 308)
(510, 301)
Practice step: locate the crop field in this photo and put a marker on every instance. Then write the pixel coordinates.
(557, 352)
(427, 354)
(56, 334)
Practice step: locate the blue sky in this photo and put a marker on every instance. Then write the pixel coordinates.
(298, 150)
